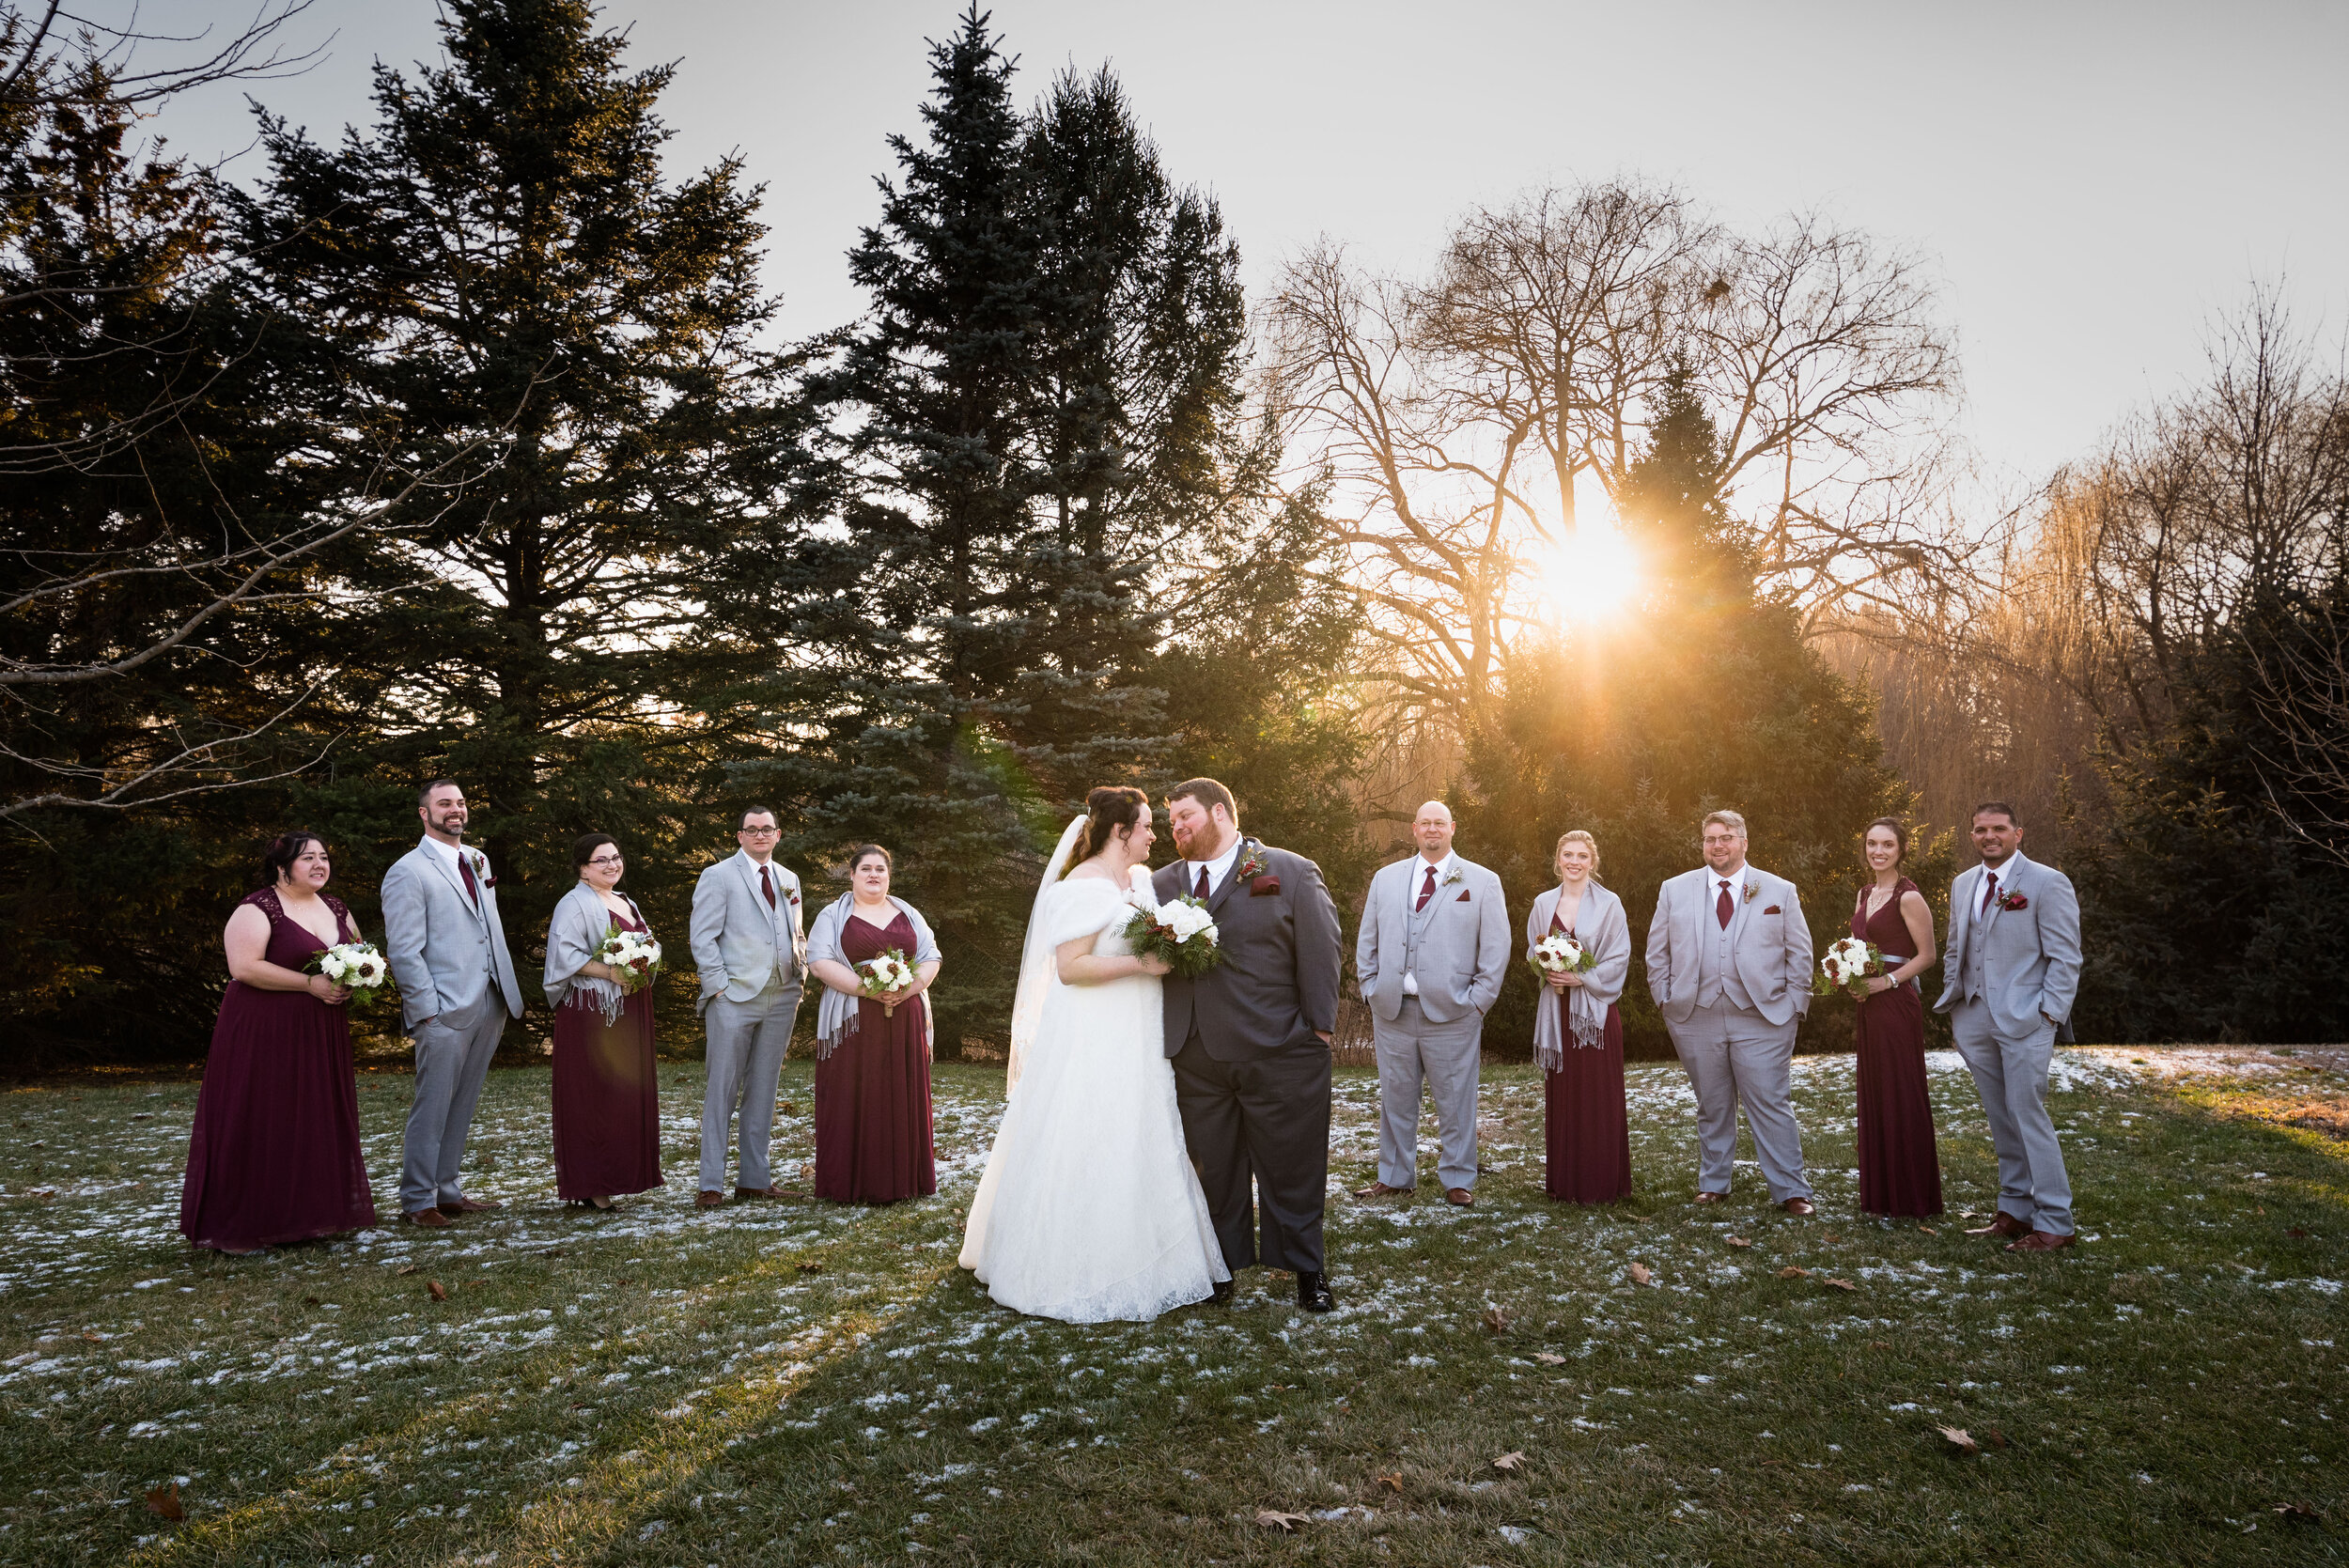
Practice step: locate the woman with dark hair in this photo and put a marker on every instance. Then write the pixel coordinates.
(1900, 1167)
(872, 1052)
(275, 1153)
(607, 1102)
(1090, 1210)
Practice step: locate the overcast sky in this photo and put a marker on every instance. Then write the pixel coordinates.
(2091, 182)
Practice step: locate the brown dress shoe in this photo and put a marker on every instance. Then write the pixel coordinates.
(1460, 1197)
(1380, 1189)
(1710, 1198)
(2042, 1241)
(709, 1198)
(431, 1219)
(760, 1192)
(2005, 1224)
(1799, 1205)
(475, 1205)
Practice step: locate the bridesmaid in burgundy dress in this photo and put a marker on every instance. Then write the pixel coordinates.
(607, 1098)
(871, 1054)
(1900, 1167)
(275, 1153)
(1577, 1034)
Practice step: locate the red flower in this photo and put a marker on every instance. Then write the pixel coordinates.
(1264, 887)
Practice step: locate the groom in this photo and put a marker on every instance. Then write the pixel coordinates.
(1249, 1039)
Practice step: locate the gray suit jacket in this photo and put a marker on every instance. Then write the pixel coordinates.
(1456, 949)
(1770, 943)
(739, 943)
(1278, 983)
(447, 955)
(2030, 959)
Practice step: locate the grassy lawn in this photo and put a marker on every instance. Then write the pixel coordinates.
(796, 1383)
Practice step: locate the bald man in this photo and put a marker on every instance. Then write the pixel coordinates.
(1435, 944)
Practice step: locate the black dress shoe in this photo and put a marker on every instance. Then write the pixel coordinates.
(1222, 1296)
(1312, 1292)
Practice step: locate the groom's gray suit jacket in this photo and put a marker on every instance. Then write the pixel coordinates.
(2031, 957)
(1456, 949)
(446, 953)
(1770, 943)
(1278, 983)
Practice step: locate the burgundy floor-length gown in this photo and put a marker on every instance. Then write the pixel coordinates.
(1585, 1132)
(607, 1096)
(873, 1093)
(1900, 1167)
(275, 1153)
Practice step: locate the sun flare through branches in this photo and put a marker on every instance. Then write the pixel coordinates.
(1593, 574)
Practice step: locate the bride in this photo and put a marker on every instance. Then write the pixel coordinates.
(1089, 1210)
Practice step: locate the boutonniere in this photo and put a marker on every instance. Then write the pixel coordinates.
(1252, 864)
(481, 868)
(1454, 875)
(1752, 888)
(2013, 901)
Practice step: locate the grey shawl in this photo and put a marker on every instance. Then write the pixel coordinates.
(574, 935)
(836, 1013)
(1605, 932)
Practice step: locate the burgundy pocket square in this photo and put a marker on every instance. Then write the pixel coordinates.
(1463, 898)
(1264, 887)
(1773, 910)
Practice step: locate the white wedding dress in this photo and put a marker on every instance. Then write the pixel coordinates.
(1090, 1211)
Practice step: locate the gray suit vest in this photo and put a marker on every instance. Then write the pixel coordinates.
(1717, 970)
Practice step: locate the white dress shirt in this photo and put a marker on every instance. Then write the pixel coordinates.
(1420, 869)
(1218, 869)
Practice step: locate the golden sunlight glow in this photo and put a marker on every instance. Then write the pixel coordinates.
(1592, 576)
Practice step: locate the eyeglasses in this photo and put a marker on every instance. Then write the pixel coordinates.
(761, 832)
(606, 861)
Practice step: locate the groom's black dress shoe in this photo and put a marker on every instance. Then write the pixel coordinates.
(1312, 1292)
(1222, 1296)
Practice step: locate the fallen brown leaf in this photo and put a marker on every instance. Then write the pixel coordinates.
(1496, 1319)
(1794, 1271)
(93, 1336)
(1830, 1236)
(1509, 1461)
(470, 1284)
(2297, 1233)
(2295, 1511)
(164, 1500)
(1998, 1438)
(1738, 1241)
(440, 1291)
(309, 1301)
(1550, 1357)
(1959, 1438)
(1274, 1519)
(788, 1109)
(551, 1253)
(1928, 1230)
(1394, 1481)
(809, 1268)
(1839, 1284)
(407, 1268)
(1639, 1276)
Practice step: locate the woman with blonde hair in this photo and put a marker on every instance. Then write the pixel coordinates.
(1578, 1031)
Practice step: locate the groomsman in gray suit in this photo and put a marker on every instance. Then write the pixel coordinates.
(1434, 947)
(2010, 975)
(447, 948)
(1729, 962)
(749, 942)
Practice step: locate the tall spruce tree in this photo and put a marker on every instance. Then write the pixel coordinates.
(500, 260)
(1704, 697)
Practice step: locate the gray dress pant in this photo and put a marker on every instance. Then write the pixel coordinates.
(1444, 1056)
(452, 1062)
(1258, 1130)
(747, 1041)
(1733, 1053)
(2011, 1075)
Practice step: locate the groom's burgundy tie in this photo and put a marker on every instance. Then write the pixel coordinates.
(472, 890)
(767, 887)
(1202, 883)
(1989, 895)
(1426, 891)
(1722, 907)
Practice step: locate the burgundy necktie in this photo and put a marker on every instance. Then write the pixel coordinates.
(1426, 891)
(1989, 894)
(1202, 883)
(472, 890)
(767, 887)
(1722, 907)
